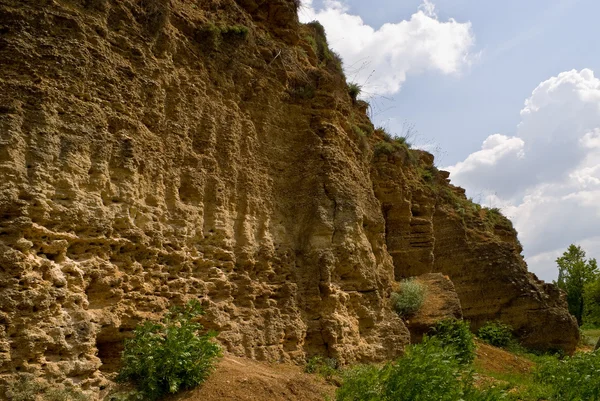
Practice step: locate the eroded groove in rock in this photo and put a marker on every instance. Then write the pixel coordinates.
(477, 248)
(153, 152)
(150, 156)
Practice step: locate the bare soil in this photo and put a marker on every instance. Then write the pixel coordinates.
(246, 380)
(492, 359)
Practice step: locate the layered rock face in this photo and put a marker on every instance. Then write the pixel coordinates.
(156, 151)
(432, 227)
(153, 152)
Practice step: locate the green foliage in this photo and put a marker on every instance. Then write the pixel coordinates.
(170, 355)
(496, 334)
(211, 36)
(591, 301)
(391, 144)
(517, 387)
(28, 388)
(384, 148)
(354, 90)
(427, 174)
(327, 58)
(456, 335)
(428, 372)
(410, 297)
(573, 378)
(239, 31)
(358, 131)
(361, 383)
(574, 273)
(326, 367)
(493, 217)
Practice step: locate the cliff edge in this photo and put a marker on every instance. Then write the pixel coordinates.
(155, 151)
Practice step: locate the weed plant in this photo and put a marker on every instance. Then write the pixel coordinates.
(456, 335)
(496, 334)
(170, 355)
(410, 298)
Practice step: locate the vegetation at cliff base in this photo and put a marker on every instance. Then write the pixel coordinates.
(437, 369)
(168, 356)
(496, 333)
(28, 388)
(455, 335)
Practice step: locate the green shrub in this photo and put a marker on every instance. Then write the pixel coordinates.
(410, 298)
(496, 334)
(358, 131)
(235, 31)
(384, 147)
(170, 355)
(402, 141)
(456, 335)
(384, 134)
(574, 378)
(354, 90)
(428, 372)
(326, 367)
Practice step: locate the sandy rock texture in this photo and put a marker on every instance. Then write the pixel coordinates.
(157, 151)
(432, 227)
(152, 152)
(441, 302)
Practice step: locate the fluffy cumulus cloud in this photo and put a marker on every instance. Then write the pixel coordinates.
(547, 177)
(380, 59)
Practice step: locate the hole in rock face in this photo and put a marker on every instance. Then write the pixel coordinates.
(110, 355)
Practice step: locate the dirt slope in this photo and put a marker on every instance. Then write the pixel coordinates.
(240, 379)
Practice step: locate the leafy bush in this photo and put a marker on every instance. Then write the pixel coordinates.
(410, 298)
(456, 335)
(428, 372)
(496, 334)
(326, 367)
(354, 90)
(170, 355)
(573, 378)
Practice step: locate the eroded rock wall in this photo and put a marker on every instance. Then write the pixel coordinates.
(154, 151)
(432, 227)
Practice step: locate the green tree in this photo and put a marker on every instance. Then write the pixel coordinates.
(591, 297)
(574, 273)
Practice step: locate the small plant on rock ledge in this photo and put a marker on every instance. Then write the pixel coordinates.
(354, 90)
(410, 298)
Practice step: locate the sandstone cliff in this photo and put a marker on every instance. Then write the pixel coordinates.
(154, 151)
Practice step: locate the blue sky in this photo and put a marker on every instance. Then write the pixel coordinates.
(522, 44)
(462, 73)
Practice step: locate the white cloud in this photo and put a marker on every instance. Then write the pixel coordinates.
(380, 59)
(548, 176)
